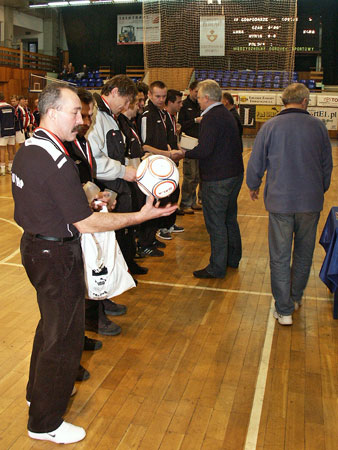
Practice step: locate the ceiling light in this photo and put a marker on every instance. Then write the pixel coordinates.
(57, 4)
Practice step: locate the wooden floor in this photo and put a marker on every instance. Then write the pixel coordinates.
(200, 364)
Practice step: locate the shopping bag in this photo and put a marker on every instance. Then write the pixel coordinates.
(106, 272)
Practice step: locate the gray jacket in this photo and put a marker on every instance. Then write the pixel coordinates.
(295, 150)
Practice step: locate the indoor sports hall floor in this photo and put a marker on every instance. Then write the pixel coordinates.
(200, 364)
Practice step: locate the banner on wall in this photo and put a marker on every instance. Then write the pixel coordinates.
(247, 114)
(212, 36)
(327, 115)
(264, 113)
(130, 28)
(327, 100)
(251, 98)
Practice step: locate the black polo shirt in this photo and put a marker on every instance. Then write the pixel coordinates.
(46, 188)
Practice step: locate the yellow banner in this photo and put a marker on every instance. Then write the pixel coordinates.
(266, 112)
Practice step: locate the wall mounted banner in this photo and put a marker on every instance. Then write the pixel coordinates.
(327, 115)
(247, 114)
(327, 100)
(130, 28)
(212, 36)
(253, 98)
(264, 113)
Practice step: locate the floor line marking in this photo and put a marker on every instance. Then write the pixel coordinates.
(16, 252)
(6, 198)
(257, 405)
(231, 291)
(11, 222)
(10, 264)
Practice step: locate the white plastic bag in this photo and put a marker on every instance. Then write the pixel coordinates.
(106, 272)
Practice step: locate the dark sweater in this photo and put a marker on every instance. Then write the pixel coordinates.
(219, 148)
(189, 111)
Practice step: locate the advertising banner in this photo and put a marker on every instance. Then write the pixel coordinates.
(255, 98)
(264, 113)
(247, 114)
(130, 28)
(327, 115)
(327, 100)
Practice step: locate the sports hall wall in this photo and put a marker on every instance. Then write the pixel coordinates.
(91, 36)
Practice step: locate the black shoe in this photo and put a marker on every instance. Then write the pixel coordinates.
(233, 266)
(135, 269)
(113, 309)
(203, 273)
(150, 251)
(180, 212)
(159, 244)
(106, 328)
(82, 374)
(91, 344)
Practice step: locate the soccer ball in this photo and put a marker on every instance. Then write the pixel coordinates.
(157, 175)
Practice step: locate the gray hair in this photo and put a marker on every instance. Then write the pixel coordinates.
(211, 89)
(50, 97)
(295, 93)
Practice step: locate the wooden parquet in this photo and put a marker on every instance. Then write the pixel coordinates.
(183, 373)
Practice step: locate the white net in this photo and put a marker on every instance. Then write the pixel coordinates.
(221, 37)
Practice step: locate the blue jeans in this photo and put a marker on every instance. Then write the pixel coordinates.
(220, 216)
(288, 283)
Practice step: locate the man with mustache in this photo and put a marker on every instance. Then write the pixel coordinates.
(52, 209)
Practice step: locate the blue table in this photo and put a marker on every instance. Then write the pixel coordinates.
(329, 271)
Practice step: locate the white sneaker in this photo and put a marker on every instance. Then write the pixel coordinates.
(282, 320)
(74, 391)
(65, 434)
(297, 305)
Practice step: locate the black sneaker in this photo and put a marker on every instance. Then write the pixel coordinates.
(163, 233)
(159, 244)
(106, 328)
(176, 229)
(113, 309)
(150, 251)
(82, 374)
(91, 344)
(135, 269)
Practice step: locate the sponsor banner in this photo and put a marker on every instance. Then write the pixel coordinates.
(327, 115)
(312, 101)
(212, 36)
(327, 100)
(248, 115)
(264, 113)
(130, 28)
(256, 98)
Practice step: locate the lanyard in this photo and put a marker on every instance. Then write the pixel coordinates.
(173, 121)
(54, 138)
(163, 121)
(88, 156)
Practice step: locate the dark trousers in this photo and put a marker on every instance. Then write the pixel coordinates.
(288, 283)
(56, 272)
(220, 215)
(169, 221)
(191, 179)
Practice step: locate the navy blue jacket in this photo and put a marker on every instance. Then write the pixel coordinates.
(219, 148)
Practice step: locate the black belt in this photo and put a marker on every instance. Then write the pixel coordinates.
(55, 239)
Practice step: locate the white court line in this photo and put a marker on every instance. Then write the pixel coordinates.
(257, 404)
(7, 198)
(11, 222)
(231, 291)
